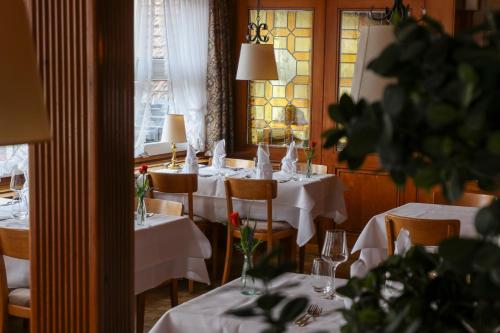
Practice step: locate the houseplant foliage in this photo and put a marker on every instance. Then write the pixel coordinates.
(437, 124)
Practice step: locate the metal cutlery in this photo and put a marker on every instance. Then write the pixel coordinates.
(313, 313)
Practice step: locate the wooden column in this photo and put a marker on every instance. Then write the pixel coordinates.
(81, 195)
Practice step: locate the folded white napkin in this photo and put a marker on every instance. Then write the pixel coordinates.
(403, 242)
(219, 155)
(191, 163)
(264, 169)
(289, 162)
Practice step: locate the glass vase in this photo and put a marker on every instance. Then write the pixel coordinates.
(309, 168)
(247, 281)
(140, 214)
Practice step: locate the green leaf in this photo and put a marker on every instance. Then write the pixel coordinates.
(441, 114)
(293, 308)
(426, 177)
(394, 99)
(386, 62)
(488, 220)
(494, 143)
(248, 311)
(333, 136)
(269, 301)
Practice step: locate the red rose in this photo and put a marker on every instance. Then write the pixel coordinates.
(234, 218)
(143, 169)
(314, 144)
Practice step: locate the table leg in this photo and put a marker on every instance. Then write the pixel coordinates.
(174, 295)
(140, 308)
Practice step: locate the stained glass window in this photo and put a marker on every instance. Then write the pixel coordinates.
(350, 23)
(280, 111)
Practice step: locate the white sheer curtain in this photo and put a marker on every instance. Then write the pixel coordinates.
(143, 44)
(186, 24)
(13, 158)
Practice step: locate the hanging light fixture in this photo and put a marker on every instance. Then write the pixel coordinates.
(23, 117)
(257, 60)
(397, 13)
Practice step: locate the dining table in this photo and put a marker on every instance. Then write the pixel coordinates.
(300, 200)
(372, 242)
(166, 247)
(208, 313)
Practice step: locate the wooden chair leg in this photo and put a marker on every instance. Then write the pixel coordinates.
(293, 250)
(174, 294)
(190, 286)
(302, 255)
(319, 236)
(215, 253)
(140, 308)
(229, 254)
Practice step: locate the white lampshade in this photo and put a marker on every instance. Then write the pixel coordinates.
(175, 131)
(257, 62)
(366, 83)
(23, 117)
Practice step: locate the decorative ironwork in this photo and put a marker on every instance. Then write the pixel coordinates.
(397, 13)
(258, 27)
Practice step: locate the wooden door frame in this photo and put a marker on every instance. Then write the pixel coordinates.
(243, 149)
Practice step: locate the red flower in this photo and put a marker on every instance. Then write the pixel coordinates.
(143, 169)
(234, 218)
(314, 144)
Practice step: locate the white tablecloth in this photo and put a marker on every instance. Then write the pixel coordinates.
(166, 247)
(299, 202)
(373, 239)
(169, 247)
(206, 313)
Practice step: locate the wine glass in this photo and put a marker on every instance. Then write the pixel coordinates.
(17, 185)
(335, 252)
(320, 276)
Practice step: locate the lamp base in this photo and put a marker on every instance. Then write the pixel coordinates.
(173, 165)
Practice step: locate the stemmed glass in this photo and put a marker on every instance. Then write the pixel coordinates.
(17, 185)
(335, 252)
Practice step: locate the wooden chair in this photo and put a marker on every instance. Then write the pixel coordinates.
(468, 199)
(164, 207)
(316, 168)
(237, 163)
(268, 231)
(424, 232)
(185, 183)
(17, 302)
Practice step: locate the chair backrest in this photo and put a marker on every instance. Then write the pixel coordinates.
(316, 168)
(468, 199)
(176, 183)
(13, 243)
(252, 189)
(424, 232)
(164, 207)
(237, 163)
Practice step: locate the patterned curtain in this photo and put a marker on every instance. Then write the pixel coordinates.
(220, 78)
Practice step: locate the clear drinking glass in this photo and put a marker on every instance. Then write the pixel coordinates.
(17, 185)
(294, 164)
(320, 277)
(335, 252)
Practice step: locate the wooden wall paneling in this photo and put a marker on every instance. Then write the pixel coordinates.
(443, 11)
(81, 193)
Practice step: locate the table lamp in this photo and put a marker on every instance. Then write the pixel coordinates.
(23, 117)
(175, 132)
